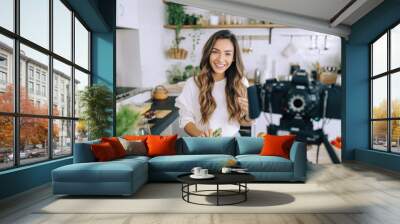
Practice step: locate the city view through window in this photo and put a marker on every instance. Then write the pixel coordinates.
(385, 82)
(39, 114)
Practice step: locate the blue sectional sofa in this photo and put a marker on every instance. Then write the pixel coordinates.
(125, 176)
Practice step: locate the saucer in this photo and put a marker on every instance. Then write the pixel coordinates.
(208, 176)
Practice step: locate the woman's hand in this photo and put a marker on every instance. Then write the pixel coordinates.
(193, 131)
(208, 133)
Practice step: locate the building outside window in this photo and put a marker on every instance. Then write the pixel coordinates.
(385, 96)
(3, 78)
(34, 75)
(38, 89)
(3, 71)
(30, 87)
(44, 77)
(43, 90)
(3, 61)
(30, 72)
(37, 74)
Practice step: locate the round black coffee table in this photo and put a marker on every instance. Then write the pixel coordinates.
(238, 179)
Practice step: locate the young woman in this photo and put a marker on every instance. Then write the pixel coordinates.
(217, 97)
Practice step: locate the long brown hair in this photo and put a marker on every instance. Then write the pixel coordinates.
(234, 74)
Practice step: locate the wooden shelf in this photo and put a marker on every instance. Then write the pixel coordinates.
(246, 26)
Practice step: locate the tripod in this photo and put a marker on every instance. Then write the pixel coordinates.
(303, 129)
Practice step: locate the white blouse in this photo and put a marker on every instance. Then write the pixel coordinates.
(189, 108)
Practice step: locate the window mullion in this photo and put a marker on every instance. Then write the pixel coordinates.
(371, 137)
(50, 81)
(16, 84)
(73, 82)
(389, 104)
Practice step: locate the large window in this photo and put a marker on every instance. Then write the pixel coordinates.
(44, 64)
(385, 92)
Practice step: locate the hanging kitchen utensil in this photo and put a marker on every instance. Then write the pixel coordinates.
(244, 50)
(290, 49)
(311, 43)
(250, 43)
(325, 43)
(316, 42)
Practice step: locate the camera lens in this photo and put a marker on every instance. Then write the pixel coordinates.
(298, 103)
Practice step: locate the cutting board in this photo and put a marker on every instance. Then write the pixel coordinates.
(162, 113)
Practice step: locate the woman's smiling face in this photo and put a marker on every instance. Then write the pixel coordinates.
(221, 56)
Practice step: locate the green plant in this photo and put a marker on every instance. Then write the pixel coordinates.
(175, 74)
(217, 132)
(96, 102)
(176, 16)
(190, 71)
(127, 119)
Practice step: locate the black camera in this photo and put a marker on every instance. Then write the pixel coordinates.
(299, 101)
(296, 99)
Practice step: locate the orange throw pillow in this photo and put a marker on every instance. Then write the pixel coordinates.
(103, 152)
(116, 145)
(161, 145)
(136, 137)
(277, 145)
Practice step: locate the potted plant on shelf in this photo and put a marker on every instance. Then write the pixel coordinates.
(176, 17)
(177, 74)
(96, 102)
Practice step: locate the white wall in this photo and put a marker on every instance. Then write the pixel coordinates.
(140, 52)
(154, 40)
(265, 55)
(151, 35)
(128, 58)
(127, 14)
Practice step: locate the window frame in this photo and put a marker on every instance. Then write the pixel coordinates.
(388, 74)
(16, 114)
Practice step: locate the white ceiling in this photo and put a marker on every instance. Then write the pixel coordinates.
(320, 9)
(315, 15)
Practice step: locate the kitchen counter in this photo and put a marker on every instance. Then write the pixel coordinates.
(161, 124)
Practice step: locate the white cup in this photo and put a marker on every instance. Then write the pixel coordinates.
(196, 171)
(203, 172)
(226, 170)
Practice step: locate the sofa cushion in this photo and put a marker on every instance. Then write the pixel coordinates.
(161, 145)
(185, 163)
(112, 171)
(134, 147)
(249, 145)
(83, 152)
(133, 158)
(200, 145)
(257, 163)
(142, 138)
(275, 145)
(103, 152)
(116, 145)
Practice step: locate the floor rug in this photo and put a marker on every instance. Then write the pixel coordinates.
(167, 198)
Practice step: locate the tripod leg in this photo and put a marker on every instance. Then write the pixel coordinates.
(317, 153)
(330, 150)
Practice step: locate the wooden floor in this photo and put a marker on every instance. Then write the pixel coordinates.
(378, 189)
